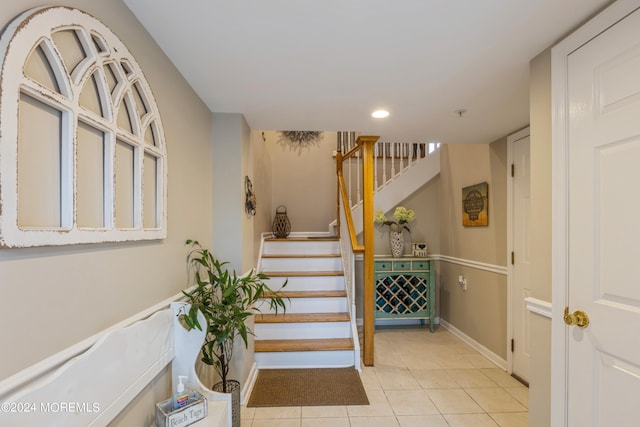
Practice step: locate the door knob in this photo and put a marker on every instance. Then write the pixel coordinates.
(578, 318)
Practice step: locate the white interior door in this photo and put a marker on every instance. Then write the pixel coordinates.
(520, 273)
(603, 227)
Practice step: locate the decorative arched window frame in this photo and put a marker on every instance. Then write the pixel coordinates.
(112, 160)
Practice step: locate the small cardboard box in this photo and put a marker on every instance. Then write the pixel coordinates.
(194, 410)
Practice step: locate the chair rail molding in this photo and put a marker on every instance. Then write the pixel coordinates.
(493, 268)
(538, 306)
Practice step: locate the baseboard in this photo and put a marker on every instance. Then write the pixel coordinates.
(494, 358)
(248, 385)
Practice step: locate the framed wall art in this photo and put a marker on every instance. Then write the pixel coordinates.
(475, 205)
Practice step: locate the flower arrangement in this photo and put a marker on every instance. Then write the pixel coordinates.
(401, 215)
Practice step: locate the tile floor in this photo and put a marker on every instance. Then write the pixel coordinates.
(420, 379)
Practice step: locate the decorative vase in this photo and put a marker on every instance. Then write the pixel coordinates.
(281, 226)
(396, 241)
(233, 388)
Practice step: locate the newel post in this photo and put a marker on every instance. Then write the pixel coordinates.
(338, 178)
(368, 240)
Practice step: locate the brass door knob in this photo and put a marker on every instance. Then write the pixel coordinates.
(578, 318)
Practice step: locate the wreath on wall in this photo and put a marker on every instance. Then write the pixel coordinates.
(298, 140)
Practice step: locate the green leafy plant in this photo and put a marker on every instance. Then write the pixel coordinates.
(227, 301)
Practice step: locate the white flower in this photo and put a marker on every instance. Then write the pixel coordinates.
(380, 217)
(402, 216)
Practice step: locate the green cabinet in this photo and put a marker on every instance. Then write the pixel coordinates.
(405, 289)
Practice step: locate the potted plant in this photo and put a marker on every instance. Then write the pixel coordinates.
(227, 301)
(402, 216)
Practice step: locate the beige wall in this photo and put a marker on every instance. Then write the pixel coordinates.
(258, 168)
(238, 152)
(230, 139)
(304, 182)
(261, 178)
(54, 297)
(426, 228)
(233, 228)
(479, 312)
(540, 328)
(462, 165)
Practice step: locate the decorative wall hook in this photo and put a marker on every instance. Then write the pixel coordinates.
(250, 197)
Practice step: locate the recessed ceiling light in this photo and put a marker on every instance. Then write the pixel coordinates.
(380, 114)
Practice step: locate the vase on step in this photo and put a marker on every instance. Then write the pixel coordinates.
(396, 241)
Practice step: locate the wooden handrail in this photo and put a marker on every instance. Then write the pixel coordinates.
(364, 144)
(354, 150)
(355, 246)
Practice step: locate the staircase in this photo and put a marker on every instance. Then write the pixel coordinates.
(317, 329)
(400, 169)
(401, 185)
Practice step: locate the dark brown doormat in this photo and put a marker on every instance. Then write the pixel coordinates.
(308, 387)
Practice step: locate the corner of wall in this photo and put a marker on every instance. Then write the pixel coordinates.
(540, 328)
(478, 253)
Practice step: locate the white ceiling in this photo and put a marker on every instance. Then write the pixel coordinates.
(327, 64)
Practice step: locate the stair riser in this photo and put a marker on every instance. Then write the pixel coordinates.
(306, 248)
(301, 264)
(310, 305)
(310, 330)
(316, 283)
(305, 359)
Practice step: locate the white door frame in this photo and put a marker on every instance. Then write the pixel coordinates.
(559, 332)
(510, 297)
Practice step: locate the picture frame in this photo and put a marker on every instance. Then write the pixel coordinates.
(475, 205)
(419, 249)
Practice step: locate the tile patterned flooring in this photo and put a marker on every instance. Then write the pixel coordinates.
(420, 379)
